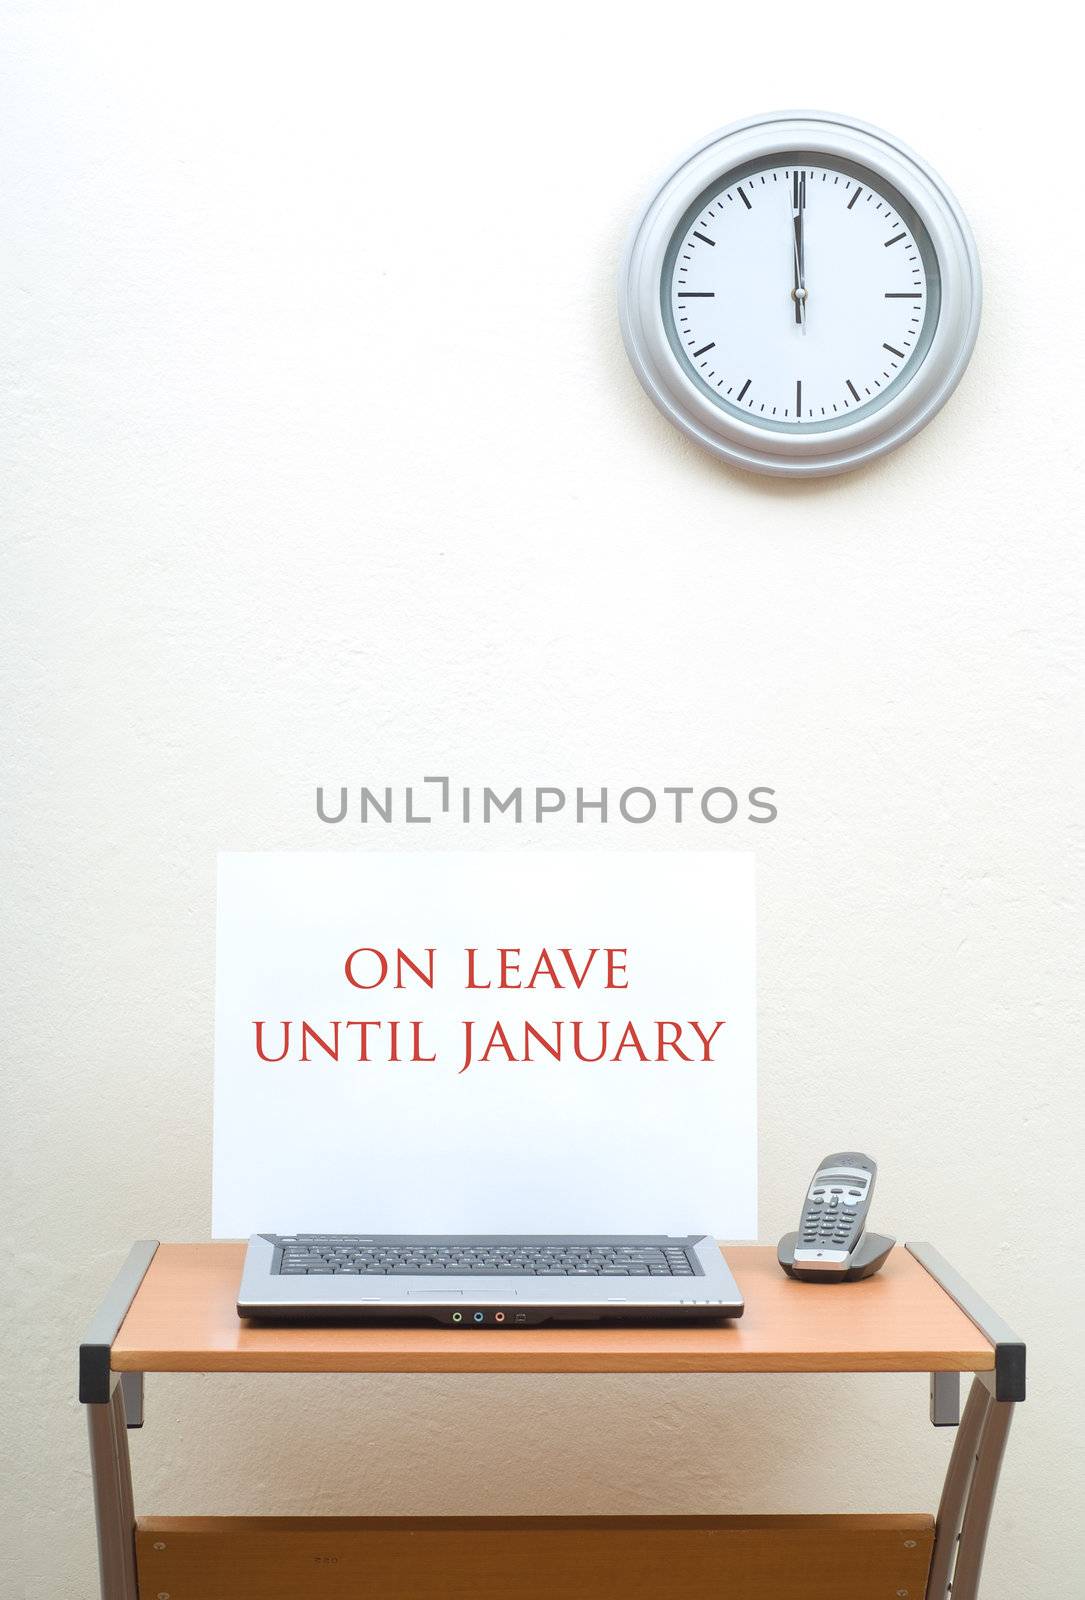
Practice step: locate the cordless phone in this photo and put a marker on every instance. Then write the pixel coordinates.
(831, 1244)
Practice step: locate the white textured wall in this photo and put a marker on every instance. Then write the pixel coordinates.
(323, 463)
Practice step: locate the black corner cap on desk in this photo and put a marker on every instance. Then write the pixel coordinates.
(1009, 1348)
(96, 1350)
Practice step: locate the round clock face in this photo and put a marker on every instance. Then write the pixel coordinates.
(801, 294)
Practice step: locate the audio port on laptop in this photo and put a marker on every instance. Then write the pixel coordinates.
(480, 1316)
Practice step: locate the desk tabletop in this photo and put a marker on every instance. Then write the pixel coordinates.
(183, 1319)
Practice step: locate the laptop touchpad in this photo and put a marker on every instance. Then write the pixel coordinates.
(458, 1294)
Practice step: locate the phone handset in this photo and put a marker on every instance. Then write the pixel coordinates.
(831, 1244)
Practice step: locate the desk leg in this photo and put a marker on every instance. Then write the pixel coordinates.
(964, 1512)
(114, 1512)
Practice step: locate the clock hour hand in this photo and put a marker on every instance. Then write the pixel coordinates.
(798, 232)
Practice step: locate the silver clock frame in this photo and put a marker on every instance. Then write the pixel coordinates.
(676, 392)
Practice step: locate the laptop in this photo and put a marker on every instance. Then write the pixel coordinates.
(492, 1280)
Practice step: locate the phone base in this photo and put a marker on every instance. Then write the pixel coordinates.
(869, 1254)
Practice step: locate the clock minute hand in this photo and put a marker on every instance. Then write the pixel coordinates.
(798, 217)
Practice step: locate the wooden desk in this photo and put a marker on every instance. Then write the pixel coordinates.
(184, 1320)
(172, 1309)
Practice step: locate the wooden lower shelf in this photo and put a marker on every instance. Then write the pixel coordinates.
(534, 1558)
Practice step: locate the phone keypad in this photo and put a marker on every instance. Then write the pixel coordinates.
(831, 1212)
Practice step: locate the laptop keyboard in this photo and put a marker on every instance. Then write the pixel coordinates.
(319, 1254)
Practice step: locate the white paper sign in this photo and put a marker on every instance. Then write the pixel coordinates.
(485, 1043)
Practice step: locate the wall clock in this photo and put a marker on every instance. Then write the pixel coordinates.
(800, 294)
